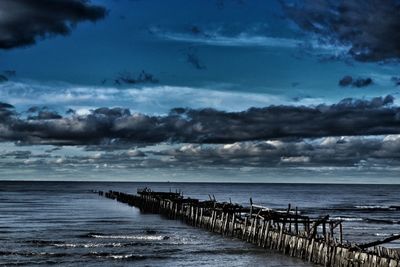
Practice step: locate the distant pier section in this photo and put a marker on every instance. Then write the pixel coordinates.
(317, 240)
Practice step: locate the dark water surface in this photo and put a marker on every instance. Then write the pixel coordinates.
(64, 224)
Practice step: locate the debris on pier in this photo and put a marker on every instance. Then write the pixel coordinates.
(317, 240)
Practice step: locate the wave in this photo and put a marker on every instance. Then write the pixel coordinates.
(374, 207)
(115, 256)
(90, 234)
(38, 242)
(90, 254)
(380, 221)
(33, 254)
(348, 219)
(362, 208)
(89, 245)
(60, 244)
(368, 229)
(100, 245)
(132, 237)
(30, 263)
(366, 220)
(382, 234)
(109, 221)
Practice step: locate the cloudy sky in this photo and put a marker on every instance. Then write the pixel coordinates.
(201, 90)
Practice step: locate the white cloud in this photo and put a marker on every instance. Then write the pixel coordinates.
(156, 99)
(299, 159)
(251, 38)
(242, 39)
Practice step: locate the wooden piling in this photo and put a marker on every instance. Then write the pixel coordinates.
(266, 228)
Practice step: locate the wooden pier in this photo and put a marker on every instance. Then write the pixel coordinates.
(317, 240)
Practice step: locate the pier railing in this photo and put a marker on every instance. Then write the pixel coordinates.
(317, 240)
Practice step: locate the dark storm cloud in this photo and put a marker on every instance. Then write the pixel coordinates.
(45, 115)
(7, 74)
(3, 78)
(10, 73)
(6, 112)
(5, 106)
(362, 82)
(22, 22)
(359, 82)
(42, 113)
(348, 117)
(369, 27)
(193, 59)
(396, 81)
(346, 81)
(129, 78)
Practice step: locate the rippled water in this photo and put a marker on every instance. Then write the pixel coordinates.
(64, 224)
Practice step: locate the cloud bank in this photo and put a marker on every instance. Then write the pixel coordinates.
(348, 117)
(359, 152)
(327, 151)
(22, 22)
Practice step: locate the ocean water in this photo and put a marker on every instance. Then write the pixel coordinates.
(65, 224)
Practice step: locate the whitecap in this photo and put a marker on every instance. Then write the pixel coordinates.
(132, 237)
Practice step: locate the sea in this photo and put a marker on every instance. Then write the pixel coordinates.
(66, 224)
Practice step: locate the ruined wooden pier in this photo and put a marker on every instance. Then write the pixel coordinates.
(316, 240)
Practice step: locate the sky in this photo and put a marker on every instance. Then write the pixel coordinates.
(202, 90)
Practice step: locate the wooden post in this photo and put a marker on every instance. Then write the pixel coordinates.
(280, 238)
(251, 207)
(310, 251)
(226, 223)
(221, 230)
(296, 226)
(287, 213)
(244, 229)
(196, 215)
(210, 221)
(266, 234)
(251, 228)
(254, 235)
(201, 217)
(233, 224)
(214, 221)
(192, 215)
(260, 234)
